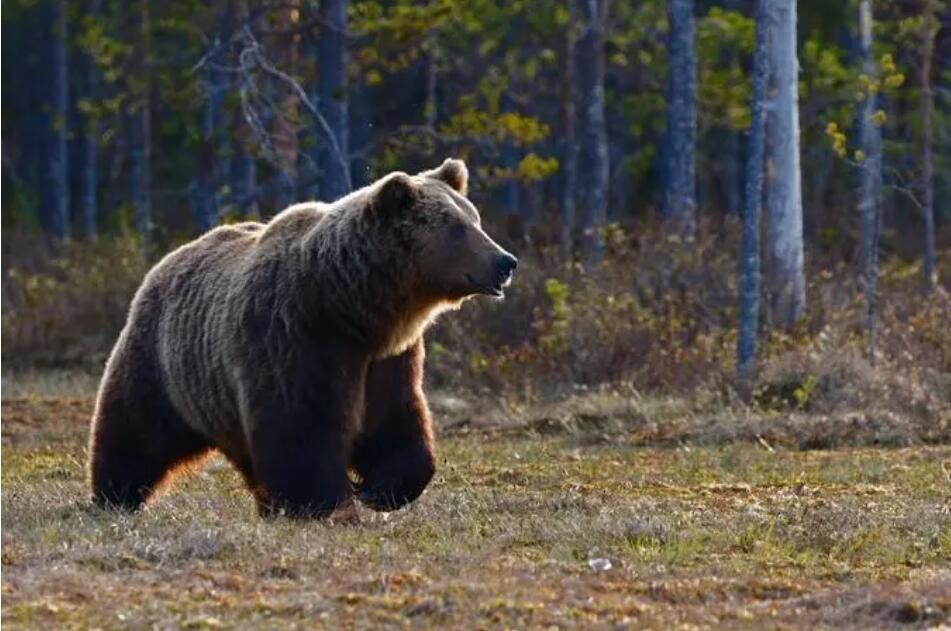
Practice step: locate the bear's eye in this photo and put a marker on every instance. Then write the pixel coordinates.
(457, 231)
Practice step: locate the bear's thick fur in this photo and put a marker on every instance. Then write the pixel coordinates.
(295, 348)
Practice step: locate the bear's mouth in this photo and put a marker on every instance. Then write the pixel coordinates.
(495, 291)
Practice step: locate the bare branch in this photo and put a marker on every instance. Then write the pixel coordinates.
(253, 57)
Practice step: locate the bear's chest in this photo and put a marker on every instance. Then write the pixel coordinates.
(408, 329)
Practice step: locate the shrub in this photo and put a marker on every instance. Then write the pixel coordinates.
(662, 318)
(65, 303)
(653, 316)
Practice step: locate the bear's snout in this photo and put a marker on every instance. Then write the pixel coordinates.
(505, 266)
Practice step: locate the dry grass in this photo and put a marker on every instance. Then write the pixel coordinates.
(732, 535)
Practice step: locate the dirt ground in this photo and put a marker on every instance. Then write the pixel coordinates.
(533, 527)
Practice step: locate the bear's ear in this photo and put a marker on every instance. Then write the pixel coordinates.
(397, 192)
(453, 172)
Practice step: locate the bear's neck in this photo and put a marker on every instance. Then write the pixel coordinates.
(406, 331)
(363, 282)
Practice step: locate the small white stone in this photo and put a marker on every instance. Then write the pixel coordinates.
(600, 564)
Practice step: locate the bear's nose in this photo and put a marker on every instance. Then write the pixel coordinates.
(506, 264)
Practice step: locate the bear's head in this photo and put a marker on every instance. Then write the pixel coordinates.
(453, 257)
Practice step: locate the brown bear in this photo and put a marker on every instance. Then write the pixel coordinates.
(295, 348)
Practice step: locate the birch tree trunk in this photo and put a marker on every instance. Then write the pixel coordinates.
(58, 167)
(749, 256)
(593, 167)
(334, 176)
(786, 282)
(870, 175)
(680, 195)
(927, 160)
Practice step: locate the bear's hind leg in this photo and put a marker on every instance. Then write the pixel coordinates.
(135, 443)
(393, 456)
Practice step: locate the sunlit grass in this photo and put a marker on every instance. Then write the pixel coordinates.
(503, 537)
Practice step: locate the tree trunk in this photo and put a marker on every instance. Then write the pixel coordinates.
(593, 167)
(140, 123)
(787, 296)
(206, 203)
(870, 175)
(732, 172)
(287, 118)
(90, 142)
(927, 162)
(90, 177)
(244, 177)
(680, 195)
(225, 80)
(58, 167)
(115, 159)
(569, 142)
(32, 163)
(333, 161)
(749, 256)
(431, 109)
(243, 173)
(734, 147)
(821, 167)
(212, 167)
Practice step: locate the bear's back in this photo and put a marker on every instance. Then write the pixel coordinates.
(292, 223)
(186, 299)
(200, 263)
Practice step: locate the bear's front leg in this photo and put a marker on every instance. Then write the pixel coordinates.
(393, 455)
(300, 442)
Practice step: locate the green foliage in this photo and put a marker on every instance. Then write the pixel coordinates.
(505, 127)
(793, 393)
(554, 331)
(724, 38)
(847, 87)
(532, 167)
(837, 137)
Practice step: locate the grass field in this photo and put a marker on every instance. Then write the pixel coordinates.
(534, 525)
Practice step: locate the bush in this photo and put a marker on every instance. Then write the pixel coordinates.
(663, 318)
(653, 316)
(652, 312)
(65, 303)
